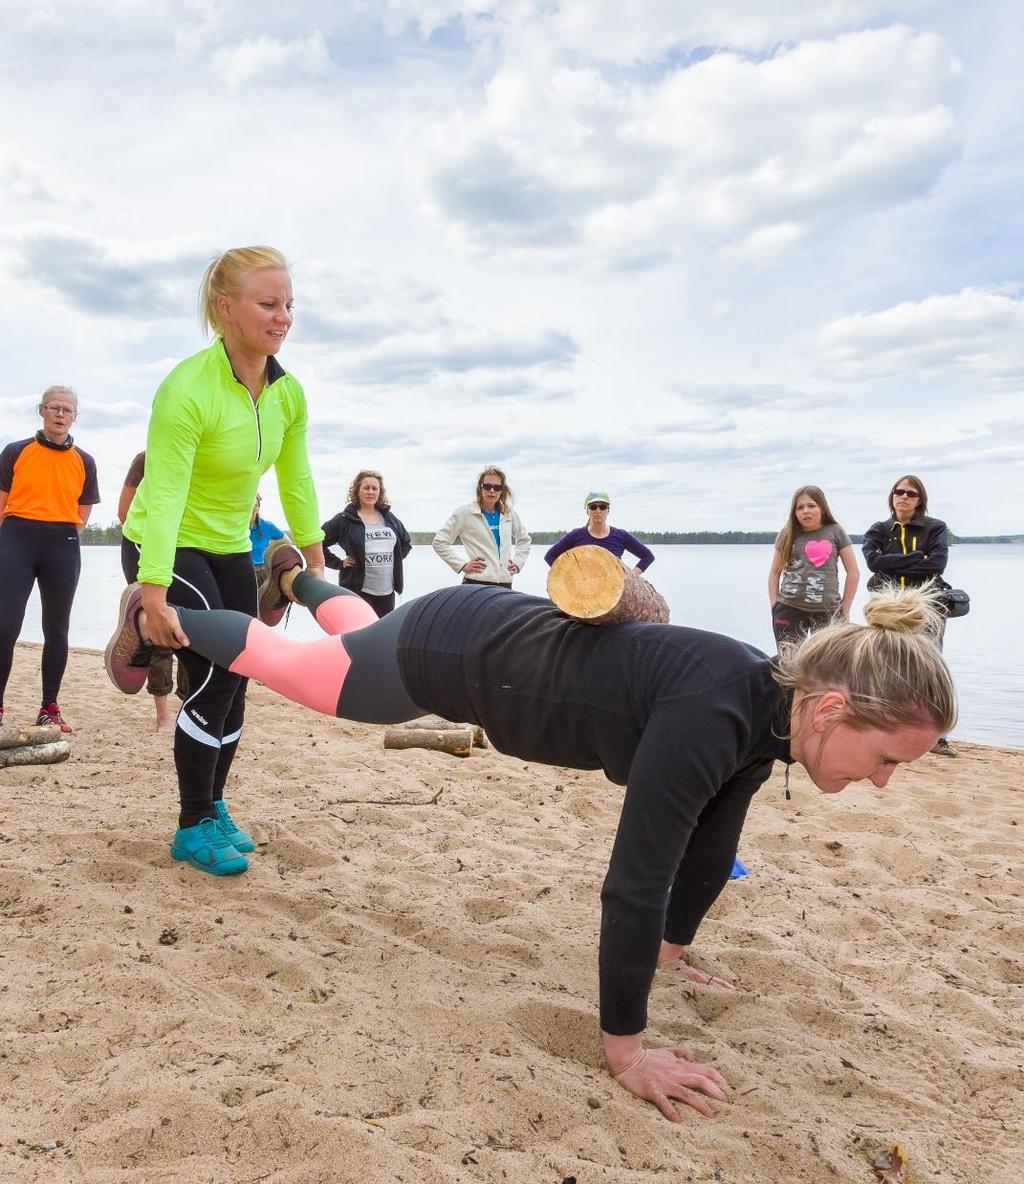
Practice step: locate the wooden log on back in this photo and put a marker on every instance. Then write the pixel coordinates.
(456, 741)
(590, 584)
(434, 723)
(36, 754)
(25, 737)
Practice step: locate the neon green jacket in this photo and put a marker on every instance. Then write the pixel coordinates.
(207, 448)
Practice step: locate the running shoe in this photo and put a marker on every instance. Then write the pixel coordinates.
(1, 717)
(239, 839)
(281, 556)
(206, 847)
(50, 717)
(127, 654)
(942, 748)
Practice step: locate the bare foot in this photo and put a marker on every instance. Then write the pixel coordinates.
(680, 961)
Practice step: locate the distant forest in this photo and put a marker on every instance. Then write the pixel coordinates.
(110, 536)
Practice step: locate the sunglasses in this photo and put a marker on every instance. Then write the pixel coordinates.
(598, 506)
(492, 488)
(901, 492)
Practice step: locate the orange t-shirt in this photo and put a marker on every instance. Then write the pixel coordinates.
(47, 482)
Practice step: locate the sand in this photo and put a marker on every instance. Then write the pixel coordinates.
(406, 991)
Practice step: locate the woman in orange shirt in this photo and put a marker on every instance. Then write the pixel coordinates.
(47, 490)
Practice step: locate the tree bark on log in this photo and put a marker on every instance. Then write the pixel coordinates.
(434, 723)
(36, 754)
(590, 584)
(22, 737)
(458, 741)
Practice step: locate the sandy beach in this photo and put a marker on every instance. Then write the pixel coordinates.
(403, 986)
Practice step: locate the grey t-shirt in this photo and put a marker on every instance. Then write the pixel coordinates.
(810, 582)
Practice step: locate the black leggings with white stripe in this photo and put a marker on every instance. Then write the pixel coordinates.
(210, 720)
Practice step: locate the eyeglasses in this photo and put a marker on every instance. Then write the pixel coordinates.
(492, 488)
(901, 492)
(64, 412)
(598, 506)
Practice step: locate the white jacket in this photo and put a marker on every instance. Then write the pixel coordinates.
(469, 526)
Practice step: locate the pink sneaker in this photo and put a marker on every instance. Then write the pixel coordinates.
(127, 654)
(282, 555)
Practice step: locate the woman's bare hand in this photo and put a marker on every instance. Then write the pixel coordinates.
(164, 629)
(665, 1076)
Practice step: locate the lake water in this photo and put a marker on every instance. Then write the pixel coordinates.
(722, 588)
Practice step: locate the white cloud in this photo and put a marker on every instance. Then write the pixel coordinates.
(272, 60)
(973, 334)
(645, 30)
(755, 152)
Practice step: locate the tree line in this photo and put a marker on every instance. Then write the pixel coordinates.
(110, 536)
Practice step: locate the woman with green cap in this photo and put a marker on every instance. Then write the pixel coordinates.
(597, 533)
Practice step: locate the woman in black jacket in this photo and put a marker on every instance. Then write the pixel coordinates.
(374, 541)
(908, 549)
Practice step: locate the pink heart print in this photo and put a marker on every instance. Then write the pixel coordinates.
(818, 551)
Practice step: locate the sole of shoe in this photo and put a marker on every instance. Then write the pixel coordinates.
(128, 679)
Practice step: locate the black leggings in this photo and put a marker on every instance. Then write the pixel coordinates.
(210, 721)
(792, 625)
(47, 553)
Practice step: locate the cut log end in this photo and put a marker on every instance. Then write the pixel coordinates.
(590, 584)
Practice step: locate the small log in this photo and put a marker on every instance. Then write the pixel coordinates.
(23, 737)
(457, 741)
(36, 754)
(590, 584)
(434, 723)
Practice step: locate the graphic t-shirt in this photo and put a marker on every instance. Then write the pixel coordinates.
(379, 579)
(493, 520)
(810, 581)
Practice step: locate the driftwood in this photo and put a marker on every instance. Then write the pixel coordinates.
(32, 746)
(434, 723)
(455, 740)
(589, 583)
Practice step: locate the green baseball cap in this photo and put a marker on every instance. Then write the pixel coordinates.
(595, 496)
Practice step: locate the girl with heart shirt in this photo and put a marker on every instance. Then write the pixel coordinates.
(803, 581)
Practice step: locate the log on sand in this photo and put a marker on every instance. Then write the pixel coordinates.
(32, 746)
(589, 583)
(434, 723)
(452, 739)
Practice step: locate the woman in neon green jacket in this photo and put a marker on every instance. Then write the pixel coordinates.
(219, 421)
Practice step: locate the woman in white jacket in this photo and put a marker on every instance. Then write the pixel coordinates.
(494, 541)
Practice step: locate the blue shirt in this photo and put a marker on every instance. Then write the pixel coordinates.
(261, 534)
(493, 519)
(616, 542)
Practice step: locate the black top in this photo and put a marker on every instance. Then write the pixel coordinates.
(678, 715)
(909, 554)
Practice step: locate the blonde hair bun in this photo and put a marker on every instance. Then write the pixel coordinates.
(906, 610)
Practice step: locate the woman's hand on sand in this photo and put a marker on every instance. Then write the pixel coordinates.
(679, 960)
(666, 1076)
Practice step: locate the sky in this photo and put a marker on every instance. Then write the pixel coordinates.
(693, 254)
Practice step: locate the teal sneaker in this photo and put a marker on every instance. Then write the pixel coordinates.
(238, 838)
(207, 848)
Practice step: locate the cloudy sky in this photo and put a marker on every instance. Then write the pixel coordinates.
(695, 253)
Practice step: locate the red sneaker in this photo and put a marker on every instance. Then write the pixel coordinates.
(281, 556)
(127, 654)
(50, 717)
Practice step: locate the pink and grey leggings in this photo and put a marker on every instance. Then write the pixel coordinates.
(352, 673)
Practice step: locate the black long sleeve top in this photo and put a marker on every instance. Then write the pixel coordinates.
(679, 716)
(906, 554)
